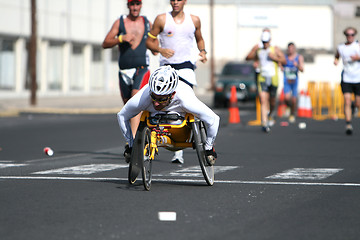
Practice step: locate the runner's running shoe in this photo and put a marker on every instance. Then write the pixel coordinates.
(265, 129)
(271, 121)
(292, 119)
(178, 157)
(349, 129)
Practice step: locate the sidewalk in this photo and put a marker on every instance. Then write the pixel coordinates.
(99, 104)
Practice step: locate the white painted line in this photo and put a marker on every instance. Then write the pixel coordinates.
(306, 173)
(195, 171)
(84, 169)
(181, 180)
(7, 165)
(70, 156)
(167, 216)
(290, 183)
(60, 178)
(56, 158)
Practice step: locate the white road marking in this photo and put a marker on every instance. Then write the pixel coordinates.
(306, 173)
(167, 216)
(7, 165)
(56, 158)
(84, 169)
(182, 180)
(77, 155)
(195, 171)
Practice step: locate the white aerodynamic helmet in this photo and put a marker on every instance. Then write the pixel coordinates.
(163, 81)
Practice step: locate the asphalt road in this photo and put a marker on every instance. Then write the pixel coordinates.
(289, 184)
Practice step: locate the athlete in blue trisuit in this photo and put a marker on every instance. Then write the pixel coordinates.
(129, 33)
(294, 64)
(178, 31)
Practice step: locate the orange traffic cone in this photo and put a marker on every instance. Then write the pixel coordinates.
(234, 115)
(282, 105)
(301, 112)
(308, 107)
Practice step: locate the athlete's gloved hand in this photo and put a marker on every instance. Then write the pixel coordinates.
(211, 156)
(127, 153)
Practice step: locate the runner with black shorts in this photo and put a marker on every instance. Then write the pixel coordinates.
(350, 76)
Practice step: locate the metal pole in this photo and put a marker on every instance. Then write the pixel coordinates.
(32, 53)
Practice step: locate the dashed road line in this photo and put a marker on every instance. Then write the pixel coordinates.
(194, 171)
(52, 158)
(306, 173)
(83, 169)
(7, 165)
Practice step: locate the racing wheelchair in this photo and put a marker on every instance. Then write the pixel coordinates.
(172, 132)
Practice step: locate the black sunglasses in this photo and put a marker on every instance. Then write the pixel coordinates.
(160, 100)
(350, 35)
(174, 0)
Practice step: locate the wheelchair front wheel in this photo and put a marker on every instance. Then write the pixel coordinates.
(199, 140)
(137, 154)
(146, 161)
(133, 173)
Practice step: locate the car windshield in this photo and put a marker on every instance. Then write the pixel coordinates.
(239, 70)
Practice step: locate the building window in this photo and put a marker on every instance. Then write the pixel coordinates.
(55, 65)
(114, 54)
(7, 64)
(77, 68)
(357, 13)
(97, 69)
(96, 56)
(77, 49)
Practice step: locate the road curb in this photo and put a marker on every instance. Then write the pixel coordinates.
(17, 112)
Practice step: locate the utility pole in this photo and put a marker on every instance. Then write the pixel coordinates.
(32, 54)
(212, 58)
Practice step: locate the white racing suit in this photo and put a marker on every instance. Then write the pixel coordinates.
(184, 101)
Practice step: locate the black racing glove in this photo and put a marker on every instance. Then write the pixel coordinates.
(211, 156)
(127, 153)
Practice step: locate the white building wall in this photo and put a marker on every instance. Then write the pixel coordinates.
(237, 28)
(15, 17)
(307, 26)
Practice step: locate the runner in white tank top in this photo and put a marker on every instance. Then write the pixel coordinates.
(351, 68)
(178, 37)
(350, 76)
(177, 31)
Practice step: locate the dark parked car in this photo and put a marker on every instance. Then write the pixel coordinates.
(238, 74)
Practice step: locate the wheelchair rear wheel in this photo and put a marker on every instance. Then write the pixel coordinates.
(199, 140)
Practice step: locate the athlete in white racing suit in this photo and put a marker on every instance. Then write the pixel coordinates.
(166, 94)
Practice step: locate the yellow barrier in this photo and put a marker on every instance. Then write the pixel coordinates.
(312, 90)
(327, 101)
(338, 103)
